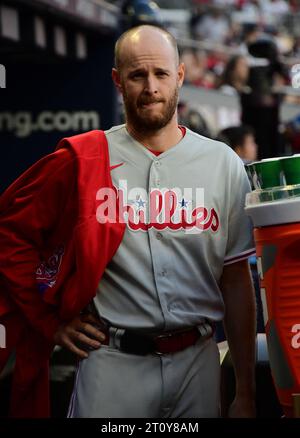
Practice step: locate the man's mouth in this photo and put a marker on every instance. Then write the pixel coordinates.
(150, 104)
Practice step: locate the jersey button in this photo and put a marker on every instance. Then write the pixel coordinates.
(164, 273)
(157, 163)
(159, 236)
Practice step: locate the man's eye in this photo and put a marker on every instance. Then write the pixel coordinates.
(136, 76)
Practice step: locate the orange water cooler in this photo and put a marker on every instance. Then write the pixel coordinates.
(276, 217)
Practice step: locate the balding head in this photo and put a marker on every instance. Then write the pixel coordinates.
(137, 37)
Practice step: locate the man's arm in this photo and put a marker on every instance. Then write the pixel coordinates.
(240, 328)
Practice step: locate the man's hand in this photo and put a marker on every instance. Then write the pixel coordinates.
(242, 407)
(80, 331)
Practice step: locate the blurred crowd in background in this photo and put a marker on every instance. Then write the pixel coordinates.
(236, 24)
(249, 49)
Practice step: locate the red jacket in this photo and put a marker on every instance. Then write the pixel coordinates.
(53, 254)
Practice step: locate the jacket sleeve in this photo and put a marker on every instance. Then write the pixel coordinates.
(30, 210)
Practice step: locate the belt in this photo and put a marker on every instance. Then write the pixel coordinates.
(132, 342)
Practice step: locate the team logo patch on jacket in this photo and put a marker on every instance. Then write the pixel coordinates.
(47, 271)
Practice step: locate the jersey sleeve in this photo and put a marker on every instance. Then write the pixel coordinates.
(30, 209)
(240, 242)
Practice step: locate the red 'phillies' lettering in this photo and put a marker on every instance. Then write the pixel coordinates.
(165, 210)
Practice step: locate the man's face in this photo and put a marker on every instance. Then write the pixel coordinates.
(249, 148)
(149, 80)
(147, 111)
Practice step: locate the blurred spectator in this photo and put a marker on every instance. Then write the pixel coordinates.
(216, 60)
(250, 33)
(197, 72)
(260, 106)
(263, 75)
(235, 75)
(274, 10)
(241, 140)
(195, 65)
(193, 119)
(248, 12)
(135, 13)
(213, 26)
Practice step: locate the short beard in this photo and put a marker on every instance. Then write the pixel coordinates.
(146, 124)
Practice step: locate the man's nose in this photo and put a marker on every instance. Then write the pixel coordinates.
(151, 85)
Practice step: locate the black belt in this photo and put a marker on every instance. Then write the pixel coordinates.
(165, 343)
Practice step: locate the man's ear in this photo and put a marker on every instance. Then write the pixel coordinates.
(116, 78)
(180, 73)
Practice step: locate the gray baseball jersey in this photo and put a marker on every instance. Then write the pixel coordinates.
(185, 218)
